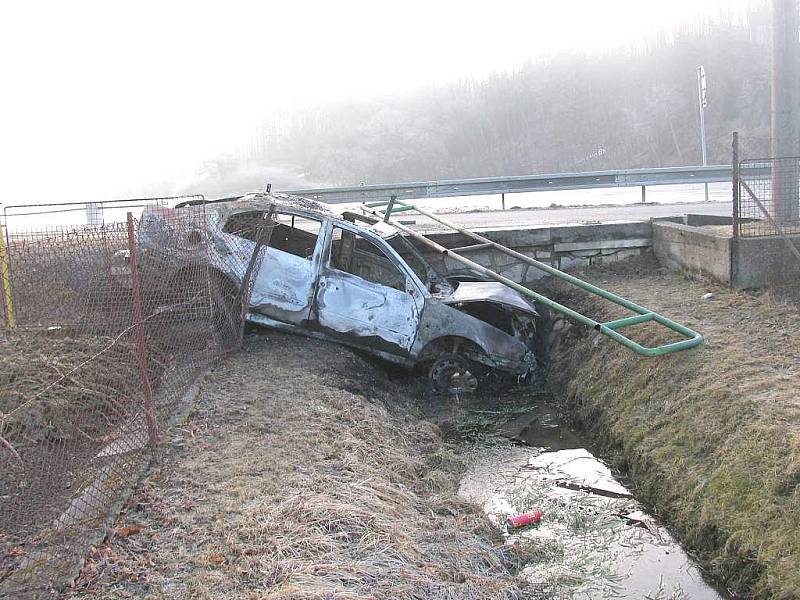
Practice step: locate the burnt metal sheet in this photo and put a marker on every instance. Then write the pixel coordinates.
(349, 304)
(284, 286)
(489, 291)
(502, 351)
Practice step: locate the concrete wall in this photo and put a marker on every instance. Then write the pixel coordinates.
(741, 262)
(559, 246)
(683, 247)
(680, 244)
(700, 220)
(764, 261)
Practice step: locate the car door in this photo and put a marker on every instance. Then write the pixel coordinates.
(284, 285)
(365, 295)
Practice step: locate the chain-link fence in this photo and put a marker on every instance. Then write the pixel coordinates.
(768, 197)
(105, 331)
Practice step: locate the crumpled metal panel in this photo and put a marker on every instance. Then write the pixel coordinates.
(489, 291)
(284, 286)
(502, 351)
(351, 305)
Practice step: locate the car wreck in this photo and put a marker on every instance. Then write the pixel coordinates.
(353, 279)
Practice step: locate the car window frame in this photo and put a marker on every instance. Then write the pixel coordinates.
(286, 212)
(389, 252)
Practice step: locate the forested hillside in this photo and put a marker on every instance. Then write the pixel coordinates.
(574, 112)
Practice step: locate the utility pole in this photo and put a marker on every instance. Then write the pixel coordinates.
(702, 101)
(785, 111)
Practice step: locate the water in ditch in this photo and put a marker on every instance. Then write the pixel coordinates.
(595, 540)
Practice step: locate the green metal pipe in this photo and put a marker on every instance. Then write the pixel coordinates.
(496, 276)
(628, 321)
(608, 329)
(531, 261)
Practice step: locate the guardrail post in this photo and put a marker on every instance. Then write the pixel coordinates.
(644, 194)
(141, 346)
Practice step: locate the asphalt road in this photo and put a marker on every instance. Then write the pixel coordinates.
(564, 216)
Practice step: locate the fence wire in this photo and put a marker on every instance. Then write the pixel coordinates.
(768, 197)
(105, 330)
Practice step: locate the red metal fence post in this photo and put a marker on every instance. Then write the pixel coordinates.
(141, 346)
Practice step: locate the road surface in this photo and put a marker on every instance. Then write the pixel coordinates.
(564, 216)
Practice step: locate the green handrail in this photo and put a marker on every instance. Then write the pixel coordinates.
(609, 328)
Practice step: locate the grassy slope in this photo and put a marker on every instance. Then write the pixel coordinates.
(302, 473)
(710, 436)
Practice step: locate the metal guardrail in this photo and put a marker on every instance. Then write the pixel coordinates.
(520, 183)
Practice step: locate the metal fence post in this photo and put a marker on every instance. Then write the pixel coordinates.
(141, 346)
(8, 301)
(735, 184)
(263, 237)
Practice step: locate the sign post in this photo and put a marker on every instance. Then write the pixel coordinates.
(702, 101)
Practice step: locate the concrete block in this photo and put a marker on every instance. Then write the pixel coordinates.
(684, 247)
(764, 261)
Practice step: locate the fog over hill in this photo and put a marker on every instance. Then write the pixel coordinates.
(574, 112)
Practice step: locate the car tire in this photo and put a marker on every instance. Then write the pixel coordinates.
(453, 374)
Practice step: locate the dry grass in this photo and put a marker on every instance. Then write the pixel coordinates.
(302, 473)
(710, 436)
(46, 393)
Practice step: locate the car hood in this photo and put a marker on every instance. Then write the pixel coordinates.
(489, 291)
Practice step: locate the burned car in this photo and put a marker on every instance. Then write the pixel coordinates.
(356, 280)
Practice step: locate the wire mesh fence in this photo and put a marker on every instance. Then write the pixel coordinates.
(105, 330)
(768, 197)
(35, 216)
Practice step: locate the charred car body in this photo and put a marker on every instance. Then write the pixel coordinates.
(353, 279)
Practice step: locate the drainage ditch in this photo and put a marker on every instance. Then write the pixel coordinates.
(594, 540)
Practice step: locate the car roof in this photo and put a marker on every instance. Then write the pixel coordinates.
(299, 205)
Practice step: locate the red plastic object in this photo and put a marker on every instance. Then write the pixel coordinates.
(523, 520)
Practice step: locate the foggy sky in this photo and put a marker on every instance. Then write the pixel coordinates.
(100, 99)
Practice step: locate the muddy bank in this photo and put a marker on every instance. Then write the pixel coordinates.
(302, 473)
(710, 438)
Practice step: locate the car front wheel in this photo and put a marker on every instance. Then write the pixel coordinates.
(453, 374)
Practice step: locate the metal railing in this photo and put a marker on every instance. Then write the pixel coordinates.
(521, 183)
(690, 338)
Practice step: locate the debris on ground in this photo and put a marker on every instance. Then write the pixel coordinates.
(524, 520)
(585, 547)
